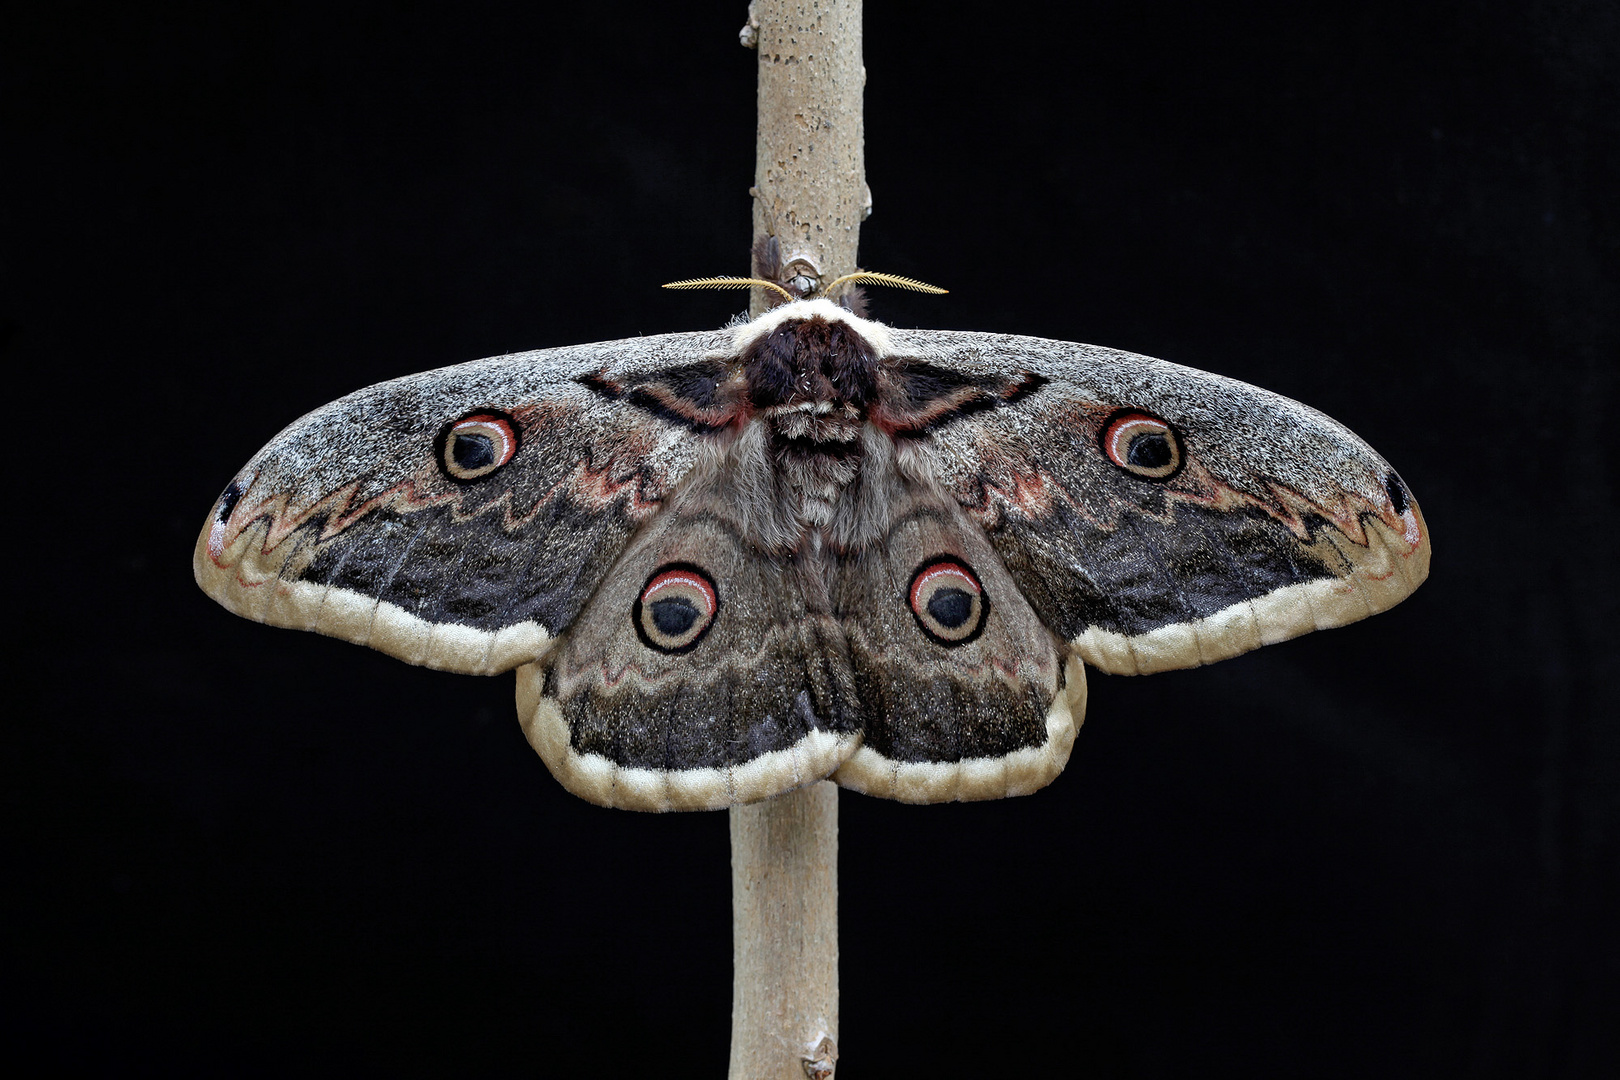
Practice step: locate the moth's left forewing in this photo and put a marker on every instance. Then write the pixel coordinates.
(1156, 516)
(457, 518)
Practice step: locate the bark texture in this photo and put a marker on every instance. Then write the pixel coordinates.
(784, 912)
(810, 188)
(810, 197)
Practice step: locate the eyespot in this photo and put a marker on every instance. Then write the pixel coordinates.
(1142, 445)
(675, 609)
(476, 445)
(947, 601)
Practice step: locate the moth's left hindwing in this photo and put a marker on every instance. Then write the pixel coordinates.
(460, 518)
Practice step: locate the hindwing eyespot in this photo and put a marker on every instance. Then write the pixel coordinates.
(948, 602)
(676, 608)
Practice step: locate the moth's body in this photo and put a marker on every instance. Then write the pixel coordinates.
(810, 545)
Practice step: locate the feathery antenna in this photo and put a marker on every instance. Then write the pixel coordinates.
(728, 283)
(860, 277)
(865, 277)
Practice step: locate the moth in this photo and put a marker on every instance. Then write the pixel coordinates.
(809, 545)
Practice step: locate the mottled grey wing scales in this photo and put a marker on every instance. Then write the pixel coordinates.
(351, 523)
(1277, 521)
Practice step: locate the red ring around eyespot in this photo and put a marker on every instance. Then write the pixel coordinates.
(943, 573)
(499, 423)
(1117, 427)
(679, 577)
(689, 585)
(942, 569)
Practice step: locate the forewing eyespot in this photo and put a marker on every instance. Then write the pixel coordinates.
(476, 445)
(676, 608)
(947, 600)
(1142, 445)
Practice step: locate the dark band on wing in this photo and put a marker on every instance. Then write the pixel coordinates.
(936, 722)
(692, 396)
(1149, 571)
(721, 717)
(473, 572)
(919, 398)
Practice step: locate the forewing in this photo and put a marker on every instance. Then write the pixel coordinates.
(383, 519)
(1269, 521)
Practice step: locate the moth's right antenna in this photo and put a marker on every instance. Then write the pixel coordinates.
(729, 283)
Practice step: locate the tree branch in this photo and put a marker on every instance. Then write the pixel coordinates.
(810, 195)
(809, 188)
(784, 927)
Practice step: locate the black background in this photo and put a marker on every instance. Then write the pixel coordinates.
(1385, 850)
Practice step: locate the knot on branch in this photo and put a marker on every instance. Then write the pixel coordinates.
(820, 1057)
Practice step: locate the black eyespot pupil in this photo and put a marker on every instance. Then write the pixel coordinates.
(674, 616)
(950, 607)
(472, 452)
(1397, 493)
(1150, 452)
